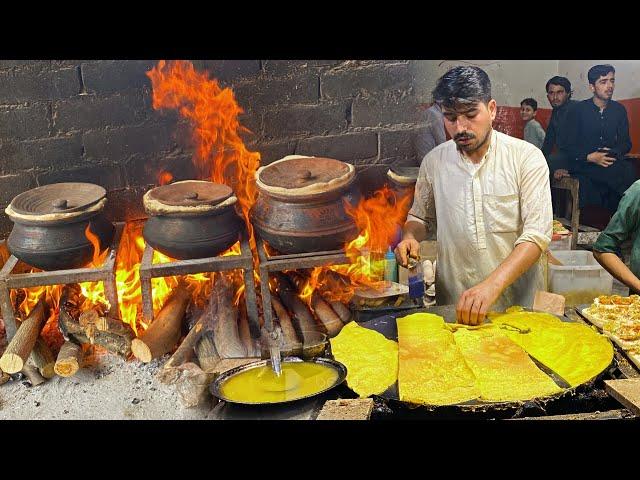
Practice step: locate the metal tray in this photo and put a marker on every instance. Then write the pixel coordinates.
(216, 385)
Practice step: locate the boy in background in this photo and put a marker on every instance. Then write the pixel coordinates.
(533, 131)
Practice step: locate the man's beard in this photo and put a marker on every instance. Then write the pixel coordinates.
(471, 147)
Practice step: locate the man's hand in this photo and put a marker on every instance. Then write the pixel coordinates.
(560, 173)
(600, 158)
(409, 247)
(474, 303)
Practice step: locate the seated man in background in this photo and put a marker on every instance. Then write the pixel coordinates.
(598, 142)
(533, 131)
(624, 224)
(559, 96)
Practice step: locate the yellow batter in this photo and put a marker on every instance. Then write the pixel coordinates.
(370, 358)
(432, 370)
(260, 385)
(574, 351)
(503, 370)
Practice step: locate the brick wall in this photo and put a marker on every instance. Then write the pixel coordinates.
(93, 121)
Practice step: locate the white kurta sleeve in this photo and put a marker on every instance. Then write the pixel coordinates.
(424, 207)
(535, 200)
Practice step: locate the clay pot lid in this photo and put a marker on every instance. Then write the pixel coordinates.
(404, 175)
(57, 199)
(302, 172)
(190, 193)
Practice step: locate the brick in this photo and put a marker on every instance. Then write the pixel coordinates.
(372, 80)
(118, 144)
(110, 177)
(12, 185)
(88, 111)
(253, 122)
(399, 143)
(24, 122)
(125, 204)
(226, 71)
(351, 147)
(284, 67)
(390, 111)
(58, 153)
(146, 170)
(270, 152)
(305, 120)
(25, 64)
(107, 77)
(261, 93)
(26, 86)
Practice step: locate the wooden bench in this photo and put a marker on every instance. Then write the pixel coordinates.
(572, 210)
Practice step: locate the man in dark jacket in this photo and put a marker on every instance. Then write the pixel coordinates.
(559, 96)
(598, 142)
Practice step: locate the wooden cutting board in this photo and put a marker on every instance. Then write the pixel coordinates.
(626, 391)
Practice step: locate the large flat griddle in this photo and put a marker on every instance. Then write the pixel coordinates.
(386, 325)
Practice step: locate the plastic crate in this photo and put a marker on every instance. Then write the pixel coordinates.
(560, 242)
(580, 279)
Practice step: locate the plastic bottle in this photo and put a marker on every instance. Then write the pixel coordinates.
(416, 279)
(390, 266)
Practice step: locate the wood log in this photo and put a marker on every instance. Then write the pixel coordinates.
(68, 361)
(206, 352)
(43, 358)
(4, 377)
(292, 343)
(116, 342)
(193, 385)
(225, 324)
(164, 332)
(33, 375)
(341, 310)
(20, 347)
(250, 345)
(330, 320)
(300, 314)
(170, 372)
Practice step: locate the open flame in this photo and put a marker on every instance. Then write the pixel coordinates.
(378, 219)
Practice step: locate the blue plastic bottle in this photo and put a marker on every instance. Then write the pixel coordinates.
(390, 266)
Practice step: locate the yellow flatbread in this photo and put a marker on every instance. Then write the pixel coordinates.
(370, 358)
(431, 369)
(503, 370)
(574, 351)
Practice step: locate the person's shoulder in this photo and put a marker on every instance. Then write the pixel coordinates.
(634, 189)
(437, 152)
(617, 106)
(518, 148)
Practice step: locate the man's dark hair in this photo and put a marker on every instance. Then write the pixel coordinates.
(531, 102)
(562, 82)
(466, 85)
(598, 71)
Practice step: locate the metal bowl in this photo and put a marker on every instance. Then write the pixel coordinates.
(216, 385)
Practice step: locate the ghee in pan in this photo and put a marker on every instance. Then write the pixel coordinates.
(261, 385)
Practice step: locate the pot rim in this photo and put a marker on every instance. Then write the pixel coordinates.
(56, 219)
(156, 208)
(312, 191)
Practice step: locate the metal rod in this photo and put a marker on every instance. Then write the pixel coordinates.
(145, 284)
(307, 262)
(266, 298)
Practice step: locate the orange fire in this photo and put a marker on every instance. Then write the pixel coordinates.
(378, 219)
(164, 178)
(220, 153)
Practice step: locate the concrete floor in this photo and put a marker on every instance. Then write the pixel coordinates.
(109, 388)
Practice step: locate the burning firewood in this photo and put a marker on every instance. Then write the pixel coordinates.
(330, 320)
(245, 336)
(18, 350)
(170, 372)
(224, 323)
(206, 352)
(288, 331)
(43, 358)
(342, 311)
(192, 386)
(117, 341)
(164, 332)
(68, 361)
(302, 316)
